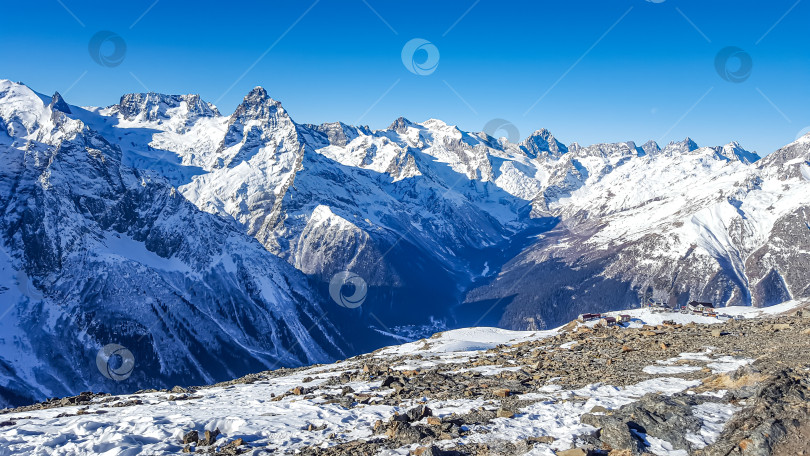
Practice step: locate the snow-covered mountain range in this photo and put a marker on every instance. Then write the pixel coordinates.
(118, 216)
(95, 252)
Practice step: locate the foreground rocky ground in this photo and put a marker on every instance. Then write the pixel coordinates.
(732, 388)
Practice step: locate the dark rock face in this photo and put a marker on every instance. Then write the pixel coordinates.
(666, 418)
(777, 409)
(681, 147)
(337, 133)
(779, 269)
(58, 104)
(650, 148)
(543, 143)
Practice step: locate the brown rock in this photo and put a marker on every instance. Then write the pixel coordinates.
(191, 437)
(378, 426)
(573, 452)
(210, 438)
(503, 413)
(502, 392)
(621, 453)
(547, 439)
(233, 444)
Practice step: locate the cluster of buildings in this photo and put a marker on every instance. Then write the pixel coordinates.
(706, 309)
(604, 320)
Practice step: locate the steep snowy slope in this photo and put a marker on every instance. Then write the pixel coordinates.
(676, 225)
(97, 253)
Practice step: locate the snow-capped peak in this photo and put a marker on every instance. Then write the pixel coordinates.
(651, 147)
(258, 107)
(401, 125)
(543, 142)
(22, 109)
(151, 107)
(681, 147)
(338, 133)
(735, 150)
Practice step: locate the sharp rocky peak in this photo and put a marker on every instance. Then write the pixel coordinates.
(339, 133)
(58, 103)
(401, 125)
(258, 105)
(685, 146)
(650, 147)
(155, 106)
(543, 142)
(735, 150)
(254, 122)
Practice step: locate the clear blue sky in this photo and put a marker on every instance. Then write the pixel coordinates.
(652, 75)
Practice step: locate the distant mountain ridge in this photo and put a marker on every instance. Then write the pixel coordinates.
(493, 185)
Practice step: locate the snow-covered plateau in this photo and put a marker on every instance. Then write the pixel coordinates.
(662, 384)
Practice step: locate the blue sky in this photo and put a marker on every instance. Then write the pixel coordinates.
(589, 71)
